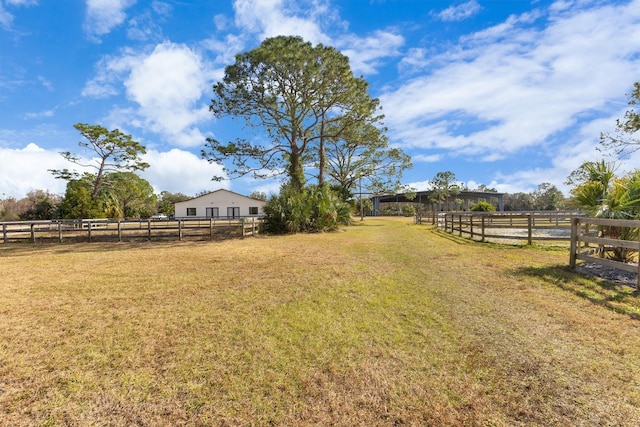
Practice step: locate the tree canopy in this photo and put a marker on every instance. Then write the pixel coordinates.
(444, 186)
(547, 197)
(167, 200)
(301, 95)
(124, 195)
(626, 138)
(361, 156)
(114, 151)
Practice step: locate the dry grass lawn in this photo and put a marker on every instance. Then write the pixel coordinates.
(383, 324)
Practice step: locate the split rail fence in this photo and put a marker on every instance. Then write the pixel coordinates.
(590, 239)
(90, 230)
(590, 244)
(510, 226)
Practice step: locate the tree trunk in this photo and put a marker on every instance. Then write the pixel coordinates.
(321, 154)
(295, 170)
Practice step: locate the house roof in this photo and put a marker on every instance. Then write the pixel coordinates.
(221, 190)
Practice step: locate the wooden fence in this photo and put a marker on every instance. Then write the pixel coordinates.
(510, 226)
(589, 244)
(90, 230)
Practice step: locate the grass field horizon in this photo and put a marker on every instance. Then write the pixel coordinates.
(384, 323)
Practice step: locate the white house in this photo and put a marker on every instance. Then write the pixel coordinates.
(220, 204)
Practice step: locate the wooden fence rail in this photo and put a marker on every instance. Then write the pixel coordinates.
(106, 230)
(588, 243)
(516, 226)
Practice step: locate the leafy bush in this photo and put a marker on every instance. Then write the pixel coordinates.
(408, 210)
(311, 210)
(483, 207)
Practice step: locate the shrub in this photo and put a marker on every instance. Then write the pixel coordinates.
(483, 207)
(408, 210)
(311, 210)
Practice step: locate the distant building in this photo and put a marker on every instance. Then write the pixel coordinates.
(462, 201)
(220, 204)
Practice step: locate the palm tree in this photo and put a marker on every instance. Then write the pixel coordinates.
(604, 195)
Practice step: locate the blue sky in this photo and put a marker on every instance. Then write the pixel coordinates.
(507, 93)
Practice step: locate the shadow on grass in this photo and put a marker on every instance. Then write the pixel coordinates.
(618, 297)
(456, 238)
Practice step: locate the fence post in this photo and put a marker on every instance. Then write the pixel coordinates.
(59, 231)
(573, 251)
(33, 233)
(482, 226)
(211, 228)
(4, 233)
(471, 225)
(179, 229)
(460, 225)
(529, 226)
(119, 231)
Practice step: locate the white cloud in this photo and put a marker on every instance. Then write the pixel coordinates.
(26, 169)
(365, 54)
(270, 18)
(460, 12)
(568, 156)
(221, 22)
(313, 20)
(147, 25)
(528, 180)
(41, 114)
(179, 171)
(21, 2)
(162, 8)
(518, 86)
(424, 158)
(104, 15)
(6, 18)
(420, 185)
(225, 49)
(110, 72)
(167, 86)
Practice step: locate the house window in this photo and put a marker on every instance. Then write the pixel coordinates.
(213, 213)
(233, 212)
(253, 210)
(191, 211)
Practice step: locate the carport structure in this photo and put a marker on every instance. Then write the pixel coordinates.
(461, 201)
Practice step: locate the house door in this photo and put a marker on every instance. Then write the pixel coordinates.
(233, 212)
(212, 213)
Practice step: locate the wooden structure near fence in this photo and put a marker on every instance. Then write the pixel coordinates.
(513, 226)
(588, 243)
(90, 230)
